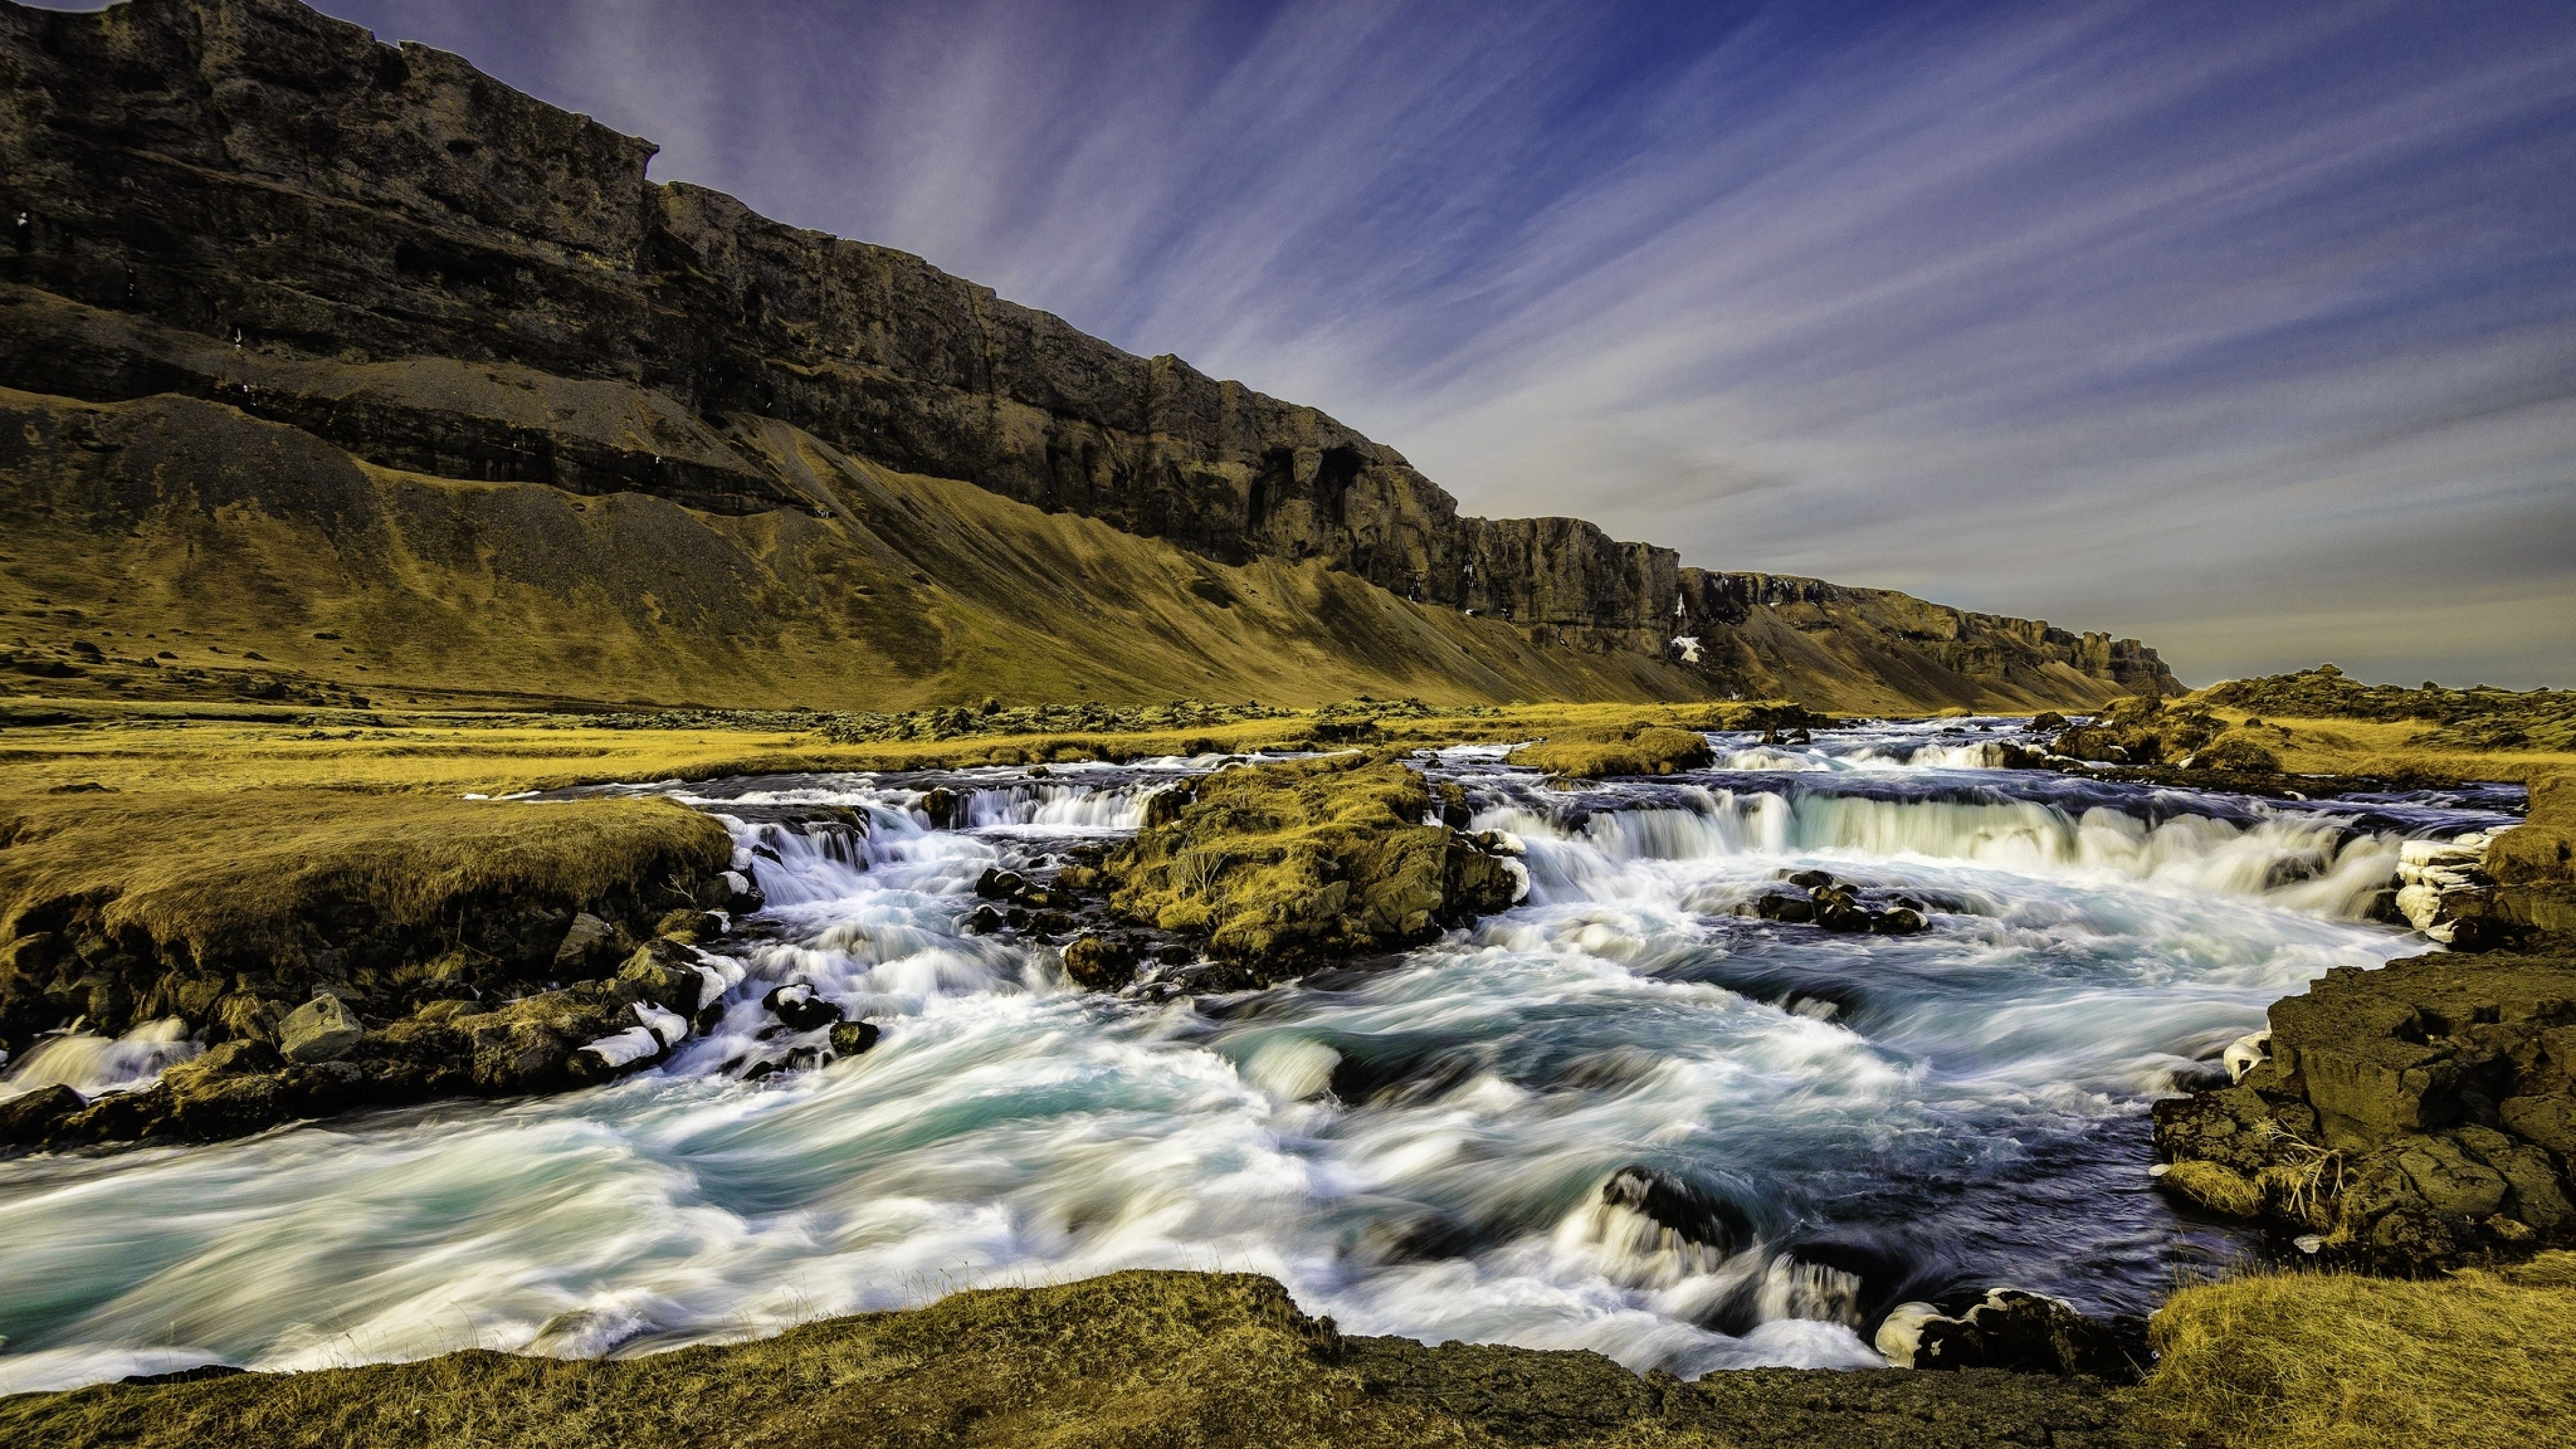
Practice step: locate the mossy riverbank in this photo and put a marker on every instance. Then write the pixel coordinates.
(2282, 1361)
(224, 865)
(369, 811)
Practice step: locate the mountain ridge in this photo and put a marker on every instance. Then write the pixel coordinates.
(250, 203)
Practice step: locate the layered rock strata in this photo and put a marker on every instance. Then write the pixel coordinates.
(380, 246)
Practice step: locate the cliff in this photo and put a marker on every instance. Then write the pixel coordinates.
(388, 252)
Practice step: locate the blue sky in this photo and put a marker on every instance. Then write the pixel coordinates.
(2247, 329)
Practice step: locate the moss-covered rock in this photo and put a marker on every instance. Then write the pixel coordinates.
(1279, 865)
(2534, 864)
(1629, 749)
(2139, 731)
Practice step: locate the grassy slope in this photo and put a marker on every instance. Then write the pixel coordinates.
(2330, 1361)
(181, 525)
(192, 529)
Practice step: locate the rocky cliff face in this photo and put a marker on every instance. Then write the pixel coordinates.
(246, 201)
(1876, 649)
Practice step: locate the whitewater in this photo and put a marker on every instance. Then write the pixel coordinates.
(1446, 1144)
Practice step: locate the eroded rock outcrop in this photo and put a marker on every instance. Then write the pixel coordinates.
(2408, 1118)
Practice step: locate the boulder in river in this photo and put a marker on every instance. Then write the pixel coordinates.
(31, 1117)
(943, 807)
(1102, 963)
(2016, 1331)
(798, 1008)
(1277, 866)
(850, 1038)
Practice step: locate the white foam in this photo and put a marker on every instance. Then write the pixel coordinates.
(90, 1064)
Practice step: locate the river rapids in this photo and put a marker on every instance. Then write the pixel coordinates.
(1416, 1145)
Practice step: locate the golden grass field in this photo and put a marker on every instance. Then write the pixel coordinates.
(2306, 1360)
(218, 822)
(2392, 749)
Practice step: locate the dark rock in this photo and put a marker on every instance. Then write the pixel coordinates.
(319, 1030)
(1836, 912)
(2406, 1116)
(664, 972)
(943, 807)
(997, 884)
(799, 1008)
(2020, 1333)
(850, 1038)
(1901, 921)
(197, 1375)
(1784, 907)
(588, 940)
(1681, 1208)
(214, 1105)
(31, 1117)
(984, 921)
(231, 1058)
(1102, 963)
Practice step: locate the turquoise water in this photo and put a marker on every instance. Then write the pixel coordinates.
(1417, 1145)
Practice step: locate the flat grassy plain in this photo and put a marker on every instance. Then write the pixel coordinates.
(2392, 749)
(206, 823)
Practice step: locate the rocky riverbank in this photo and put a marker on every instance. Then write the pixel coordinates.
(2421, 1116)
(2403, 1120)
(2301, 1361)
(1129, 1359)
(412, 948)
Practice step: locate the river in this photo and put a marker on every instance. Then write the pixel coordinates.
(1417, 1145)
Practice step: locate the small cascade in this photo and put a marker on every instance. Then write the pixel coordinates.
(90, 1064)
(2303, 862)
(1059, 807)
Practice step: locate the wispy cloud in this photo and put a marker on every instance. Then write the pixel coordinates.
(2243, 328)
